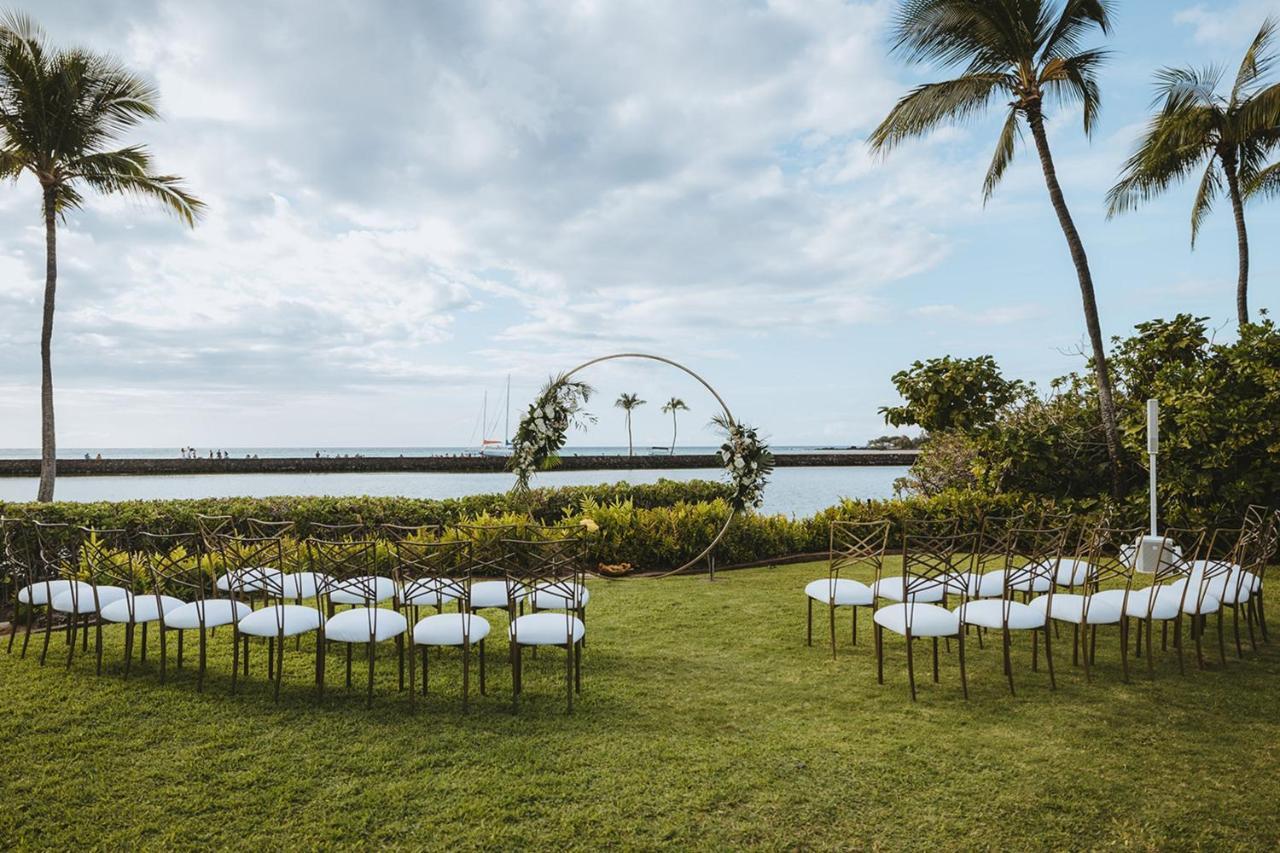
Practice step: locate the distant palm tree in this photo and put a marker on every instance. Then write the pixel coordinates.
(1020, 52)
(60, 110)
(629, 403)
(1236, 132)
(675, 404)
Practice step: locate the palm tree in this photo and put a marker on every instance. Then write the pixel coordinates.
(629, 403)
(1023, 52)
(675, 404)
(1235, 132)
(60, 113)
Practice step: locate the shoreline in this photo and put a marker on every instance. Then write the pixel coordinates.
(427, 464)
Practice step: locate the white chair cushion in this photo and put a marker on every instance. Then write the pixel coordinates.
(431, 592)
(355, 591)
(296, 619)
(891, 588)
(1072, 572)
(80, 598)
(365, 624)
(974, 585)
(926, 620)
(300, 584)
(42, 592)
(989, 613)
(139, 608)
(251, 579)
(212, 612)
(1228, 587)
(1168, 601)
(556, 597)
(491, 594)
(841, 592)
(546, 629)
(1070, 607)
(447, 629)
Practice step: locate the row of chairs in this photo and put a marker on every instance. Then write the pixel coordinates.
(339, 583)
(1019, 575)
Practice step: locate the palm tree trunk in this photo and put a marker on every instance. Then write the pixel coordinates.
(630, 449)
(1106, 401)
(1242, 238)
(48, 443)
(673, 433)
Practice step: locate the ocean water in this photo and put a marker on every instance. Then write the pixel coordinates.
(308, 452)
(797, 492)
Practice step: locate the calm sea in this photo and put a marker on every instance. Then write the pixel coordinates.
(791, 491)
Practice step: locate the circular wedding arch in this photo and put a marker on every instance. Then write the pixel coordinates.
(728, 416)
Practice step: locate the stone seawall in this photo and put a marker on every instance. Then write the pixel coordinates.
(382, 464)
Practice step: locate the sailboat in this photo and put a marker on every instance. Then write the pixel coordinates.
(496, 446)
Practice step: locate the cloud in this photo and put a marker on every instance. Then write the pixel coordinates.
(1227, 24)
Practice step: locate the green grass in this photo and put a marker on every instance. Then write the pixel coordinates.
(704, 722)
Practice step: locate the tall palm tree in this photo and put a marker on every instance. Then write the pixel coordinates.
(629, 403)
(1021, 52)
(675, 404)
(1235, 132)
(61, 111)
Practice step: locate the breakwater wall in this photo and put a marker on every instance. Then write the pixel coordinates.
(438, 464)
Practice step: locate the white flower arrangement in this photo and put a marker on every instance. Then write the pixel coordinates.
(748, 462)
(542, 430)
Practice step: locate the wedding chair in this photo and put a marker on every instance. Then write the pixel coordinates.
(930, 560)
(852, 546)
(555, 565)
(352, 577)
(432, 574)
(109, 556)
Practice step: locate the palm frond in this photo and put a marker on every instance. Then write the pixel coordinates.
(1174, 144)
(951, 32)
(932, 104)
(1257, 63)
(1209, 189)
(1005, 148)
(1265, 183)
(127, 171)
(1073, 79)
(1178, 88)
(1078, 17)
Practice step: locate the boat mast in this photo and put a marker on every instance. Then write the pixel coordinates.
(506, 427)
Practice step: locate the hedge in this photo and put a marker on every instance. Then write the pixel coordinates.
(646, 527)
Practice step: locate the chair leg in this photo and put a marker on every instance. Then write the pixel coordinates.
(911, 669)
(935, 660)
(246, 656)
(72, 628)
(1048, 656)
(163, 652)
(1082, 639)
(515, 676)
(855, 625)
(426, 671)
(831, 618)
(142, 655)
(279, 666)
(569, 649)
(203, 660)
(577, 666)
(482, 685)
(1124, 647)
(1008, 663)
(413, 679)
(347, 646)
(128, 648)
(1197, 630)
(1222, 643)
(1151, 657)
(1177, 642)
(271, 657)
(808, 638)
(400, 658)
(1235, 627)
(878, 632)
(48, 632)
(1250, 615)
(964, 676)
(1262, 617)
(179, 646)
(97, 665)
(26, 635)
(372, 658)
(1035, 650)
(235, 657)
(322, 661)
(466, 674)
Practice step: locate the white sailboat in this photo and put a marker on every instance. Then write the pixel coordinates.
(496, 446)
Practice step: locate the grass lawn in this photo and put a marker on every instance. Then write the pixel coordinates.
(704, 722)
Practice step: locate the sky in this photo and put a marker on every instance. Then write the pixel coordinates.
(408, 203)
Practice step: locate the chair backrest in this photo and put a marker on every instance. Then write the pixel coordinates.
(262, 529)
(397, 532)
(252, 564)
(107, 558)
(19, 554)
(996, 540)
(932, 559)
(857, 545)
(436, 570)
(487, 551)
(213, 526)
(333, 532)
(351, 566)
(1034, 554)
(1111, 555)
(551, 566)
(177, 564)
(1178, 557)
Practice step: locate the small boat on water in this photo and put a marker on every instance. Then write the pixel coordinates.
(495, 446)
